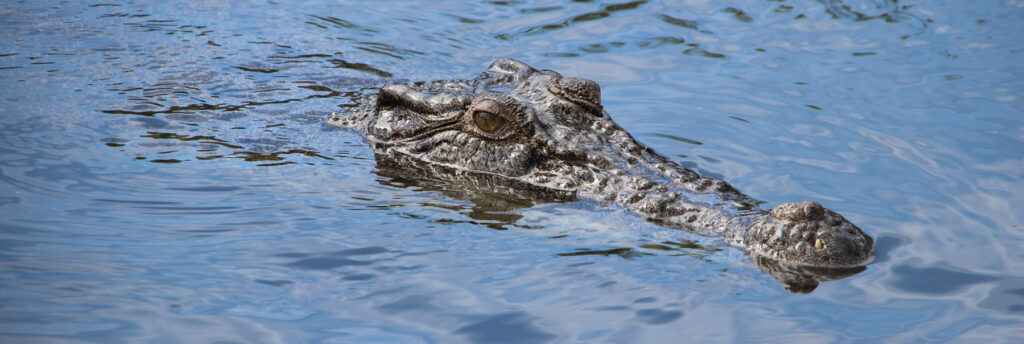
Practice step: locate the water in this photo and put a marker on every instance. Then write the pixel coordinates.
(166, 174)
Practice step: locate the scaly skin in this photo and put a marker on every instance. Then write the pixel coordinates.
(541, 131)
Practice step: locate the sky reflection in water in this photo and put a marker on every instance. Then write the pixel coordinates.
(166, 173)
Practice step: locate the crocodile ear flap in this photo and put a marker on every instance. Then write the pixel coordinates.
(583, 92)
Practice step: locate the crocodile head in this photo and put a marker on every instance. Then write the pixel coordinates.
(537, 130)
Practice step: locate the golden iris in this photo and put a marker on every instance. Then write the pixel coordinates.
(487, 121)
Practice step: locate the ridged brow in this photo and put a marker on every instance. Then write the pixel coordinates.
(405, 96)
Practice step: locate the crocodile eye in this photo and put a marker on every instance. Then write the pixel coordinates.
(493, 117)
(489, 115)
(488, 121)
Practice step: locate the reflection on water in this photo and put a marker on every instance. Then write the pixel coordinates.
(802, 279)
(494, 199)
(687, 248)
(166, 173)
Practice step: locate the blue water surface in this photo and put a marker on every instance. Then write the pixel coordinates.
(167, 175)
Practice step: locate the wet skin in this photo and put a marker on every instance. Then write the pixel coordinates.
(536, 130)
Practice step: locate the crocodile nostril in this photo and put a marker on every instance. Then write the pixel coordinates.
(799, 211)
(812, 210)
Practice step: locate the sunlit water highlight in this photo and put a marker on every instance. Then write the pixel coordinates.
(166, 173)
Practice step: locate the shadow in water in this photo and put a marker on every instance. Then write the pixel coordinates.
(802, 278)
(494, 198)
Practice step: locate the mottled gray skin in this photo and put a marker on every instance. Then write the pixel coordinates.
(541, 131)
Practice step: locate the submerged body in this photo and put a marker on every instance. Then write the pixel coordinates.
(540, 132)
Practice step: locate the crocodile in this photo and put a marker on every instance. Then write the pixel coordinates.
(537, 132)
